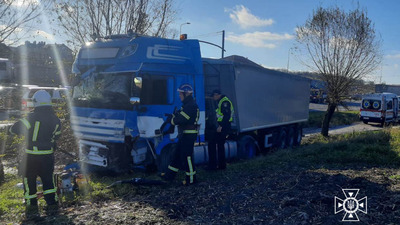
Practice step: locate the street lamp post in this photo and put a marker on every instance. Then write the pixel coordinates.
(180, 28)
(288, 57)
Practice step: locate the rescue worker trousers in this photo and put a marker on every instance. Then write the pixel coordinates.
(183, 158)
(42, 166)
(216, 146)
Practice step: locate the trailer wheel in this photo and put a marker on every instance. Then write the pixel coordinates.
(291, 137)
(282, 140)
(247, 147)
(298, 136)
(165, 158)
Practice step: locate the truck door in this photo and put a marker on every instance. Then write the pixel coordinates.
(156, 99)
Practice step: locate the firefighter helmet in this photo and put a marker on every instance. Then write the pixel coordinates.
(186, 88)
(41, 98)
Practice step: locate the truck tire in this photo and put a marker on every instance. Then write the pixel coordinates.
(298, 136)
(291, 137)
(282, 139)
(247, 147)
(365, 122)
(165, 157)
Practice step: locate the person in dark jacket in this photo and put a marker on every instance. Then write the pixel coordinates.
(224, 116)
(186, 119)
(41, 128)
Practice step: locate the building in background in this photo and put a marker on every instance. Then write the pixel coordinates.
(35, 63)
(380, 88)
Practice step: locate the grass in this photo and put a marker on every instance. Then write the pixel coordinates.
(339, 118)
(11, 199)
(377, 148)
(356, 150)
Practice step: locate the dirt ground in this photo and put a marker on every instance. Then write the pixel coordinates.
(286, 194)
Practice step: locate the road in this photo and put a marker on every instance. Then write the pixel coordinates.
(352, 106)
(355, 127)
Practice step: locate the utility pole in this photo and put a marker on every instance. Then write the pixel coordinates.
(288, 57)
(223, 43)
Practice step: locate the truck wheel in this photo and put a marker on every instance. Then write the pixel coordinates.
(247, 147)
(282, 139)
(298, 136)
(291, 137)
(165, 158)
(365, 122)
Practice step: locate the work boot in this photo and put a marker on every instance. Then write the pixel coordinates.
(186, 182)
(32, 212)
(210, 168)
(222, 167)
(52, 210)
(167, 176)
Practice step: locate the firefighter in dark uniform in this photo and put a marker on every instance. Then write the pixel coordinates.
(224, 115)
(41, 128)
(186, 119)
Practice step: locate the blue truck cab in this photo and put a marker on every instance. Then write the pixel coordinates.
(125, 85)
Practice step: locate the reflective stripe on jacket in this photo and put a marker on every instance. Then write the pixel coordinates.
(187, 117)
(41, 128)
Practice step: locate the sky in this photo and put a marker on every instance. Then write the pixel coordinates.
(264, 30)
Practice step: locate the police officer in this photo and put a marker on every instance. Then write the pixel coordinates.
(186, 119)
(41, 128)
(224, 115)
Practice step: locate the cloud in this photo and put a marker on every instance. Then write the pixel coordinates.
(393, 56)
(17, 30)
(45, 35)
(243, 17)
(25, 3)
(259, 39)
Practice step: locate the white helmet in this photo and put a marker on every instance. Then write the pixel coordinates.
(41, 98)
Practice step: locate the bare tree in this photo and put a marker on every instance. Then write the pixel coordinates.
(341, 46)
(83, 20)
(16, 18)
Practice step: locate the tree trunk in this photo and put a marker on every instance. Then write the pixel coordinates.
(1, 172)
(327, 119)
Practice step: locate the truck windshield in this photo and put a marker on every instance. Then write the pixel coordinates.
(104, 90)
(371, 104)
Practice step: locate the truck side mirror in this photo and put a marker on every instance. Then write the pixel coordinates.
(134, 100)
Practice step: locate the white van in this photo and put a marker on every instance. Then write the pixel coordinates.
(58, 95)
(380, 108)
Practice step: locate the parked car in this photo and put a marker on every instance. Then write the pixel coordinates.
(58, 96)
